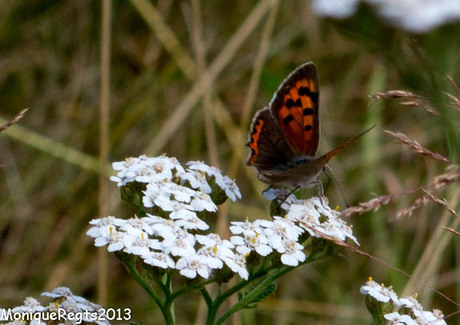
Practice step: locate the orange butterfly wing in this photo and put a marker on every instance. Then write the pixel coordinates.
(295, 106)
(269, 149)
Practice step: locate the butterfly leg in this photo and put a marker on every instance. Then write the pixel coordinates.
(264, 192)
(328, 182)
(319, 185)
(289, 194)
(276, 205)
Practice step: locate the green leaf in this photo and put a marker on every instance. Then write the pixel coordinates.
(258, 297)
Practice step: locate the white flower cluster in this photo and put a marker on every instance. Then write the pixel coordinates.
(413, 310)
(167, 182)
(65, 305)
(282, 234)
(167, 244)
(175, 243)
(313, 215)
(417, 16)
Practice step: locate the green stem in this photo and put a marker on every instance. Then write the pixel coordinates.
(191, 287)
(247, 299)
(207, 298)
(168, 305)
(155, 278)
(130, 264)
(274, 272)
(214, 307)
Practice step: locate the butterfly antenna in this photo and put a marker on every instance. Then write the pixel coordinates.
(339, 187)
(335, 151)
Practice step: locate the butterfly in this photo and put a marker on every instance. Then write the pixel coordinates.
(284, 136)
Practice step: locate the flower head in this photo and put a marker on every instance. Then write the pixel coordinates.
(379, 292)
(73, 303)
(65, 300)
(417, 16)
(237, 263)
(174, 238)
(398, 319)
(224, 182)
(31, 305)
(316, 217)
(191, 265)
(291, 252)
(409, 310)
(257, 242)
(220, 248)
(159, 259)
(109, 235)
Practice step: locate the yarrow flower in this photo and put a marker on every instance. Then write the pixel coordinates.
(263, 236)
(192, 265)
(144, 168)
(64, 304)
(313, 216)
(397, 318)
(172, 237)
(257, 242)
(224, 182)
(106, 233)
(31, 306)
(417, 16)
(291, 252)
(317, 218)
(167, 182)
(410, 311)
(379, 292)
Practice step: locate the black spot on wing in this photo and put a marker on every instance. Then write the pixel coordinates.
(288, 119)
(290, 103)
(308, 111)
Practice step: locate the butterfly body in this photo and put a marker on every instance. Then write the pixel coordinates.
(304, 175)
(284, 137)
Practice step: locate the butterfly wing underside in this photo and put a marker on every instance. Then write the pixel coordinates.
(295, 106)
(269, 149)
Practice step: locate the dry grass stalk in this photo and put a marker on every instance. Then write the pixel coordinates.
(351, 248)
(13, 121)
(414, 100)
(439, 183)
(401, 137)
(373, 204)
(455, 232)
(363, 253)
(419, 202)
(395, 94)
(452, 82)
(455, 105)
(442, 181)
(442, 203)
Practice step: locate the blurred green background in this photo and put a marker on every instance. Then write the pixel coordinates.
(186, 78)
